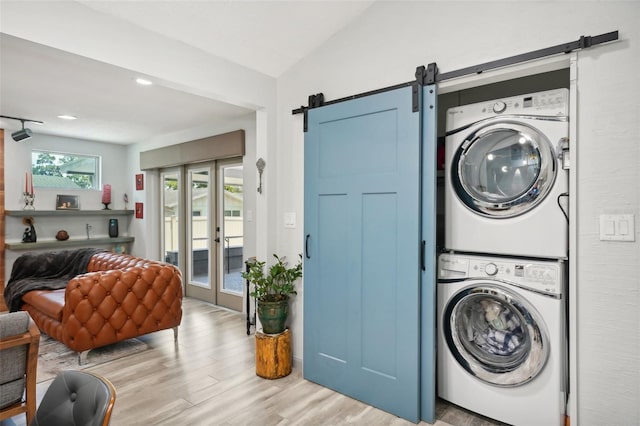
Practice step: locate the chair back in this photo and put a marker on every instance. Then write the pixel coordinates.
(19, 342)
(76, 398)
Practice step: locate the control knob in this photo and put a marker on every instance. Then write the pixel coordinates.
(491, 269)
(499, 107)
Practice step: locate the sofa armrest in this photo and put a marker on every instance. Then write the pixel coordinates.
(104, 307)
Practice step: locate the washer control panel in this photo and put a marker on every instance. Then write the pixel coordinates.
(538, 275)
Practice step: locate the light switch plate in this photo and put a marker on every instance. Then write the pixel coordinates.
(617, 227)
(290, 220)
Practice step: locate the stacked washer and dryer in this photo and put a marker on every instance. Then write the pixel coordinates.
(502, 308)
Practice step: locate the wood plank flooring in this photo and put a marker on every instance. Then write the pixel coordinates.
(209, 378)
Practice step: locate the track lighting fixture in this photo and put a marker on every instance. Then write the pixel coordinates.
(24, 133)
(21, 134)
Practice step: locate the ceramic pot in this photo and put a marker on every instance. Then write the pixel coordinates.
(273, 316)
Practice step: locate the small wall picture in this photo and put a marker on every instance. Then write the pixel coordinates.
(67, 202)
(139, 210)
(139, 182)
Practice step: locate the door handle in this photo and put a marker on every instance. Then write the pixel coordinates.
(423, 253)
(306, 247)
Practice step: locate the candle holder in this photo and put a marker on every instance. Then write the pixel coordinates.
(106, 206)
(29, 198)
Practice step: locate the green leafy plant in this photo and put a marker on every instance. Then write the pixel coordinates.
(277, 283)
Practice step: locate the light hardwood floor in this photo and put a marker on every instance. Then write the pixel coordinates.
(209, 379)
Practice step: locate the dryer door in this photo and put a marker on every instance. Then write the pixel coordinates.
(495, 334)
(504, 169)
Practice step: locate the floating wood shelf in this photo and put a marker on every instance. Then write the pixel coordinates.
(19, 245)
(23, 213)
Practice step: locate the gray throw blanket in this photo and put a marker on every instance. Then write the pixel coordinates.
(45, 271)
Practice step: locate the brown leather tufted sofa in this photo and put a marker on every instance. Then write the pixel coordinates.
(121, 297)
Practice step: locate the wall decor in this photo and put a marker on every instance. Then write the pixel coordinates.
(67, 202)
(29, 235)
(139, 210)
(139, 182)
(260, 164)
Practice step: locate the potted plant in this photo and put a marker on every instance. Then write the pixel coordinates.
(271, 289)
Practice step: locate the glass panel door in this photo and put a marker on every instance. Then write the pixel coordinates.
(231, 190)
(171, 217)
(201, 275)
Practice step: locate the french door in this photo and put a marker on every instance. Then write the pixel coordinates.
(202, 233)
(230, 234)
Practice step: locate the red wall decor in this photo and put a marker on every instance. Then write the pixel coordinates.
(139, 210)
(139, 182)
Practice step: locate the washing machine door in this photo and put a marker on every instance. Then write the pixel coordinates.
(503, 169)
(495, 334)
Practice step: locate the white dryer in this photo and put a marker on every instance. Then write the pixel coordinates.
(506, 186)
(502, 345)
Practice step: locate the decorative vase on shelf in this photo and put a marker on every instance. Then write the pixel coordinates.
(113, 228)
(106, 196)
(62, 235)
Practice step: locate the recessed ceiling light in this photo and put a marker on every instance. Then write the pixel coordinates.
(143, 81)
(67, 117)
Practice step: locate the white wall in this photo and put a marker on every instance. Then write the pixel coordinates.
(385, 46)
(18, 162)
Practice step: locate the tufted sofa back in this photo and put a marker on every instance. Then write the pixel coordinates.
(105, 261)
(121, 297)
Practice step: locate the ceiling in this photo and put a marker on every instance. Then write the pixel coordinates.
(38, 82)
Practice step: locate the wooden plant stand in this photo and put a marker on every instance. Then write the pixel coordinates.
(273, 354)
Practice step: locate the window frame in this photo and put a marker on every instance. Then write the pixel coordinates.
(95, 178)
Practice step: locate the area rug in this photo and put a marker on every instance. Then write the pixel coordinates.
(54, 357)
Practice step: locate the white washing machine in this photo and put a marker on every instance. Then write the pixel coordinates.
(506, 177)
(502, 345)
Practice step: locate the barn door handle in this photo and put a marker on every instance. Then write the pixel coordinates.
(306, 246)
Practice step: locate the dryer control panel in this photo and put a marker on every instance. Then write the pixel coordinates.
(551, 103)
(537, 275)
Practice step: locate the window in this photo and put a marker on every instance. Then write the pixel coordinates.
(64, 170)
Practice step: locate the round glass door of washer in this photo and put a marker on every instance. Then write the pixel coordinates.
(495, 335)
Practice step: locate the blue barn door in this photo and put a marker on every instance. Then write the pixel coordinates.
(428, 275)
(362, 250)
